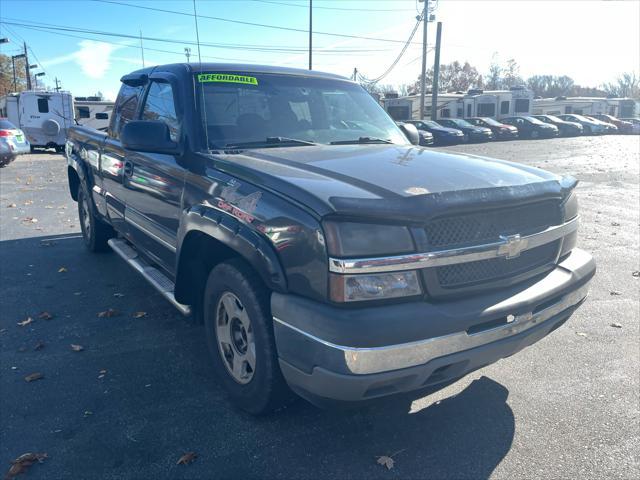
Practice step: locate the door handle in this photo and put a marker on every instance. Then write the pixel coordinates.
(128, 168)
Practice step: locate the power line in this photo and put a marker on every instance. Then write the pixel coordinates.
(253, 24)
(337, 8)
(395, 62)
(257, 48)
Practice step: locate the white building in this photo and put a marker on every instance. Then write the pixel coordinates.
(474, 103)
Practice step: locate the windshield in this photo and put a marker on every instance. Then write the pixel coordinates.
(432, 124)
(535, 120)
(246, 110)
(491, 121)
(553, 118)
(460, 123)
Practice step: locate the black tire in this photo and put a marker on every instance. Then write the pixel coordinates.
(95, 232)
(266, 390)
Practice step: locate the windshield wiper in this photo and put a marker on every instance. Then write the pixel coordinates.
(270, 142)
(361, 140)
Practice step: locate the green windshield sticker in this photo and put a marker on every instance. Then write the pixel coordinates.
(227, 78)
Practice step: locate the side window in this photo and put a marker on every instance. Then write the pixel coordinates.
(522, 105)
(159, 105)
(504, 107)
(83, 112)
(125, 109)
(43, 105)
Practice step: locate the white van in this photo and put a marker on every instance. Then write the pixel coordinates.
(43, 116)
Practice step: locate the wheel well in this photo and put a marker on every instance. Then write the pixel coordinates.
(199, 254)
(74, 182)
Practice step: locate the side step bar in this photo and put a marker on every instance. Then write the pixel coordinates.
(154, 276)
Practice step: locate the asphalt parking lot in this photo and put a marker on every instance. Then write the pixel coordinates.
(141, 392)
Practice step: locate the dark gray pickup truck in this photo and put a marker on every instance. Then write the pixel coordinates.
(324, 252)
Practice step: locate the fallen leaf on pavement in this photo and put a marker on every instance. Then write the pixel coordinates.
(615, 224)
(39, 345)
(108, 313)
(30, 220)
(23, 462)
(62, 269)
(139, 314)
(614, 292)
(45, 316)
(12, 205)
(76, 348)
(386, 461)
(187, 458)
(28, 202)
(25, 322)
(581, 334)
(616, 325)
(33, 377)
(636, 274)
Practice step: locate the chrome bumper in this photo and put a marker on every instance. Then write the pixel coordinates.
(361, 361)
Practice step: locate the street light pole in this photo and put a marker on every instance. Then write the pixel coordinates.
(310, 32)
(425, 20)
(26, 66)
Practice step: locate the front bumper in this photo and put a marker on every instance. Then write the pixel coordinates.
(357, 354)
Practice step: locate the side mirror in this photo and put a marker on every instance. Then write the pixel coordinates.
(150, 136)
(102, 116)
(411, 132)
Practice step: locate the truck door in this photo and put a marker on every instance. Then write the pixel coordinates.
(154, 183)
(112, 159)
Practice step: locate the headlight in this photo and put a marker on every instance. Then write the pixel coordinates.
(353, 288)
(570, 207)
(349, 239)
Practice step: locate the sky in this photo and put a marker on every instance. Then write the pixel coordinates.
(591, 41)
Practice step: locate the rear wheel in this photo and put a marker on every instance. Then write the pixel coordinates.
(239, 333)
(95, 232)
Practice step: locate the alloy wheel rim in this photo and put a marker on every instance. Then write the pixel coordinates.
(234, 334)
(86, 219)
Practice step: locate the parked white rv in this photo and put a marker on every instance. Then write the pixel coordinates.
(474, 103)
(92, 112)
(43, 116)
(617, 107)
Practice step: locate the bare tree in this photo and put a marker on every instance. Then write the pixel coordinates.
(626, 85)
(493, 80)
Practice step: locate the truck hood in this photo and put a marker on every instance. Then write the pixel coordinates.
(383, 179)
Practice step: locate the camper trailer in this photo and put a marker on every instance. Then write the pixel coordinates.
(617, 107)
(92, 112)
(43, 116)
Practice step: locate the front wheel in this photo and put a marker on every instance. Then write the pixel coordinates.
(95, 232)
(239, 333)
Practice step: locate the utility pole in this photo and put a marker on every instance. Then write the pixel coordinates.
(13, 64)
(57, 85)
(355, 74)
(425, 20)
(141, 48)
(26, 66)
(310, 32)
(436, 75)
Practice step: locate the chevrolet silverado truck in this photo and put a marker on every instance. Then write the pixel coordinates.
(325, 252)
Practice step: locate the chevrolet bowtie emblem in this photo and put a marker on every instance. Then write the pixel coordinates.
(512, 247)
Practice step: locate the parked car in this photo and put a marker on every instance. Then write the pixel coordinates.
(608, 127)
(501, 131)
(426, 138)
(12, 142)
(622, 125)
(471, 132)
(441, 135)
(635, 124)
(324, 254)
(589, 127)
(530, 127)
(567, 129)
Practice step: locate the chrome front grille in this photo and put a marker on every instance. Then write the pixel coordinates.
(488, 226)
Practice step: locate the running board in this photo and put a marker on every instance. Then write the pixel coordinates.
(154, 276)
